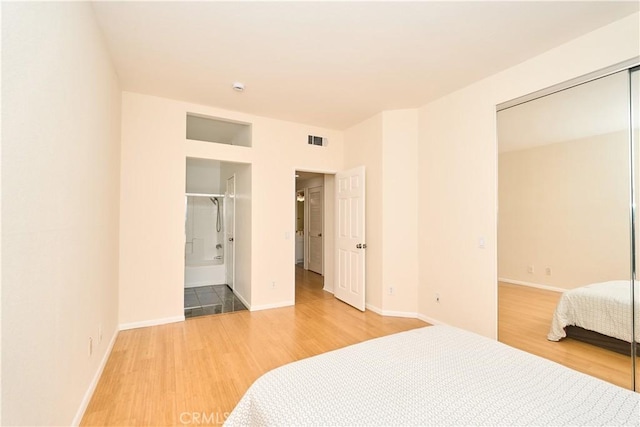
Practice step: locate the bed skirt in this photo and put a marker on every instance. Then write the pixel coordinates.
(600, 340)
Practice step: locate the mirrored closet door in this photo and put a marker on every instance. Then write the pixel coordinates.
(565, 258)
(635, 138)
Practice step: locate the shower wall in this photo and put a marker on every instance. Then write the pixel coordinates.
(204, 243)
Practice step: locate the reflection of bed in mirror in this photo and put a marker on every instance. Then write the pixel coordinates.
(566, 189)
(599, 314)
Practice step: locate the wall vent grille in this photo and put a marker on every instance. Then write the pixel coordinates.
(317, 140)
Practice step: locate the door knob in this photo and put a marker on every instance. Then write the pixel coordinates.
(231, 239)
(359, 246)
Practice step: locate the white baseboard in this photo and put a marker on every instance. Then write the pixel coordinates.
(391, 313)
(532, 285)
(328, 290)
(407, 314)
(374, 309)
(430, 320)
(269, 306)
(154, 322)
(94, 383)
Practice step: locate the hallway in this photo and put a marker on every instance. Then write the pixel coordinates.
(309, 286)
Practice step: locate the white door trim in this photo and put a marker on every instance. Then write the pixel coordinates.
(230, 231)
(316, 235)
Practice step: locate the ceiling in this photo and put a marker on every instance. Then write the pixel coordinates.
(302, 176)
(332, 64)
(598, 107)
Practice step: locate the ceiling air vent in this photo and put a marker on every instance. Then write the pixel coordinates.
(318, 140)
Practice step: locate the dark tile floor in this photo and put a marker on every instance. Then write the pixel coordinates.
(210, 300)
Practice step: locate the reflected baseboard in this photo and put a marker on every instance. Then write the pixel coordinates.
(531, 284)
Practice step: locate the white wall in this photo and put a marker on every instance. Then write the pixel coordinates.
(363, 146)
(387, 144)
(565, 206)
(400, 211)
(153, 177)
(154, 149)
(60, 183)
(458, 174)
(203, 176)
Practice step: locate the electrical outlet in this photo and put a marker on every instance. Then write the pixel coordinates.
(90, 346)
(391, 290)
(273, 285)
(99, 333)
(437, 298)
(547, 271)
(531, 269)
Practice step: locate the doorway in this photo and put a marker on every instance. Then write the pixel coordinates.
(310, 225)
(211, 234)
(342, 235)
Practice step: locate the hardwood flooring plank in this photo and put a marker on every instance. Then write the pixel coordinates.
(171, 374)
(524, 319)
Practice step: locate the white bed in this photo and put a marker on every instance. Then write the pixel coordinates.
(600, 307)
(435, 375)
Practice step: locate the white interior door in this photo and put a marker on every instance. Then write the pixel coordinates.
(316, 208)
(350, 237)
(230, 229)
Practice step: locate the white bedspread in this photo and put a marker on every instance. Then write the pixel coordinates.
(432, 376)
(601, 307)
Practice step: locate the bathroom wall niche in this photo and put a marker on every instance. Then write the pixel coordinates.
(219, 131)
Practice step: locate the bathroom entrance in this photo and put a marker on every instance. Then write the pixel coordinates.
(210, 237)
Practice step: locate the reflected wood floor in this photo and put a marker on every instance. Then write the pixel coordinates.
(197, 370)
(524, 319)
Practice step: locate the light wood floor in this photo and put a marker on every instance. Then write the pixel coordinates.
(524, 318)
(170, 374)
(201, 367)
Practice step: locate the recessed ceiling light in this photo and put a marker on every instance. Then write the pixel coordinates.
(238, 87)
